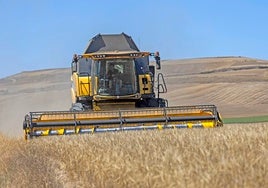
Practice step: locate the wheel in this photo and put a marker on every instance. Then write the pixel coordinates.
(77, 107)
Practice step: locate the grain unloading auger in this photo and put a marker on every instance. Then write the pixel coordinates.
(115, 89)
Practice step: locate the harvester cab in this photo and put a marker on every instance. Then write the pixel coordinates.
(115, 88)
(113, 74)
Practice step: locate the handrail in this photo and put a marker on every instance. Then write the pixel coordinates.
(162, 85)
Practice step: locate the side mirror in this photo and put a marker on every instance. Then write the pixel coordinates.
(157, 60)
(74, 63)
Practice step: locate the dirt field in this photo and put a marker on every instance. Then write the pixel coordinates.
(238, 86)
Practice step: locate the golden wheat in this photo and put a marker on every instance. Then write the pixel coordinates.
(231, 156)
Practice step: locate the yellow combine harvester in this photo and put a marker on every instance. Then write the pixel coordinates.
(113, 89)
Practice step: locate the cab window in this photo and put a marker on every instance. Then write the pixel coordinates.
(84, 66)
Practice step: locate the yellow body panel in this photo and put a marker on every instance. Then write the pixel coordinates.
(145, 84)
(81, 85)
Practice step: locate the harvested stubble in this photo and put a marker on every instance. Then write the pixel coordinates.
(230, 156)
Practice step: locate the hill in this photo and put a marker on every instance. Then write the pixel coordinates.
(236, 85)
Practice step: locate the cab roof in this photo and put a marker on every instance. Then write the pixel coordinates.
(111, 42)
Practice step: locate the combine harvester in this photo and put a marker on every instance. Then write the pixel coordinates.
(114, 89)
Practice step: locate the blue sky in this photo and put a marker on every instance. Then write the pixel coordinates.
(46, 33)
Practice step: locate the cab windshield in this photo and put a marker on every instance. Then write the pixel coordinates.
(115, 77)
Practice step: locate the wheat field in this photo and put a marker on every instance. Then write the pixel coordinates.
(231, 156)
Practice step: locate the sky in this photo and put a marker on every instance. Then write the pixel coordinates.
(44, 34)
